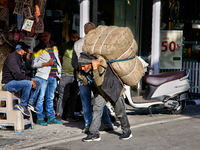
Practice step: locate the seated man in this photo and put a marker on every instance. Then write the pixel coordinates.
(14, 78)
(108, 88)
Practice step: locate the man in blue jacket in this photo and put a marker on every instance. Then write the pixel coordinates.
(14, 78)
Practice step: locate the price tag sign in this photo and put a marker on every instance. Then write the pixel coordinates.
(171, 49)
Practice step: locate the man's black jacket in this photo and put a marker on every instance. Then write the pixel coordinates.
(15, 68)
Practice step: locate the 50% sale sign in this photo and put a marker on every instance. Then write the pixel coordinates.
(171, 49)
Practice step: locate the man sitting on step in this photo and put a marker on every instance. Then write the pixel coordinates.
(15, 78)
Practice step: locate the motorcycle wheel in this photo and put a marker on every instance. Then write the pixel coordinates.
(177, 110)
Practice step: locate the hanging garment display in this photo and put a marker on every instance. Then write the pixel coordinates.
(37, 13)
(27, 13)
(3, 4)
(41, 4)
(33, 29)
(22, 1)
(39, 27)
(11, 36)
(22, 35)
(18, 8)
(28, 2)
(3, 14)
(27, 25)
(16, 36)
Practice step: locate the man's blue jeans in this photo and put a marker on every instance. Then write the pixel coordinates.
(48, 88)
(35, 92)
(85, 94)
(28, 95)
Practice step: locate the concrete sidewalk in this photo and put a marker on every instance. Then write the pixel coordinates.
(39, 134)
(55, 132)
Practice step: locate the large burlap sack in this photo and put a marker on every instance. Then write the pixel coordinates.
(130, 71)
(116, 43)
(111, 42)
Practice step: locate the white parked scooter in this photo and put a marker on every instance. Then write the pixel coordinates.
(166, 90)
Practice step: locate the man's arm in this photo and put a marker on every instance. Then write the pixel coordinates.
(36, 63)
(14, 68)
(77, 49)
(98, 78)
(74, 61)
(28, 61)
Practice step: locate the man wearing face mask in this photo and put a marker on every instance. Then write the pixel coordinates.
(14, 78)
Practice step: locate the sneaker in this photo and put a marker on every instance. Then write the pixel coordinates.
(32, 107)
(23, 109)
(42, 122)
(58, 117)
(54, 120)
(72, 118)
(92, 137)
(126, 136)
(109, 127)
(86, 130)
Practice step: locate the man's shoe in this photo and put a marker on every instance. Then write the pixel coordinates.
(23, 109)
(109, 127)
(42, 122)
(54, 120)
(86, 130)
(126, 136)
(32, 107)
(92, 137)
(72, 118)
(58, 117)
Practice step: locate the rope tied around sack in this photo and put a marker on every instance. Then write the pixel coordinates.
(119, 60)
(111, 61)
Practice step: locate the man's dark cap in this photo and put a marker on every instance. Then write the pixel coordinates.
(22, 45)
(85, 58)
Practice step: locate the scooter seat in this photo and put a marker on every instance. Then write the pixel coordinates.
(158, 79)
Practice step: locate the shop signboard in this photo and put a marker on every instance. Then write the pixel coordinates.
(171, 49)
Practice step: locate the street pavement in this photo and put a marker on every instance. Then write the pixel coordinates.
(67, 136)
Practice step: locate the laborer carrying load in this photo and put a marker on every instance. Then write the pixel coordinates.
(107, 87)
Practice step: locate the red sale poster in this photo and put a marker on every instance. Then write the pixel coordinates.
(171, 49)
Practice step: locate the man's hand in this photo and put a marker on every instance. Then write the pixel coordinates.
(33, 84)
(95, 63)
(49, 63)
(28, 54)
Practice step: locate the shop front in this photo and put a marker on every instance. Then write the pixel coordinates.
(25, 19)
(183, 15)
(20, 20)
